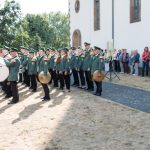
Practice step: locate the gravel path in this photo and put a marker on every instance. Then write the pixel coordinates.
(78, 120)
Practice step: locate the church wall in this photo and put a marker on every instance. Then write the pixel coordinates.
(131, 35)
(127, 35)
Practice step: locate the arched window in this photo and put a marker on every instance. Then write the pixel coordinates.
(76, 38)
(135, 11)
(96, 15)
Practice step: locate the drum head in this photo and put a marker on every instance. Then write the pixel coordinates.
(4, 72)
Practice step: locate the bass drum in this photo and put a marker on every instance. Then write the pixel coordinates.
(4, 71)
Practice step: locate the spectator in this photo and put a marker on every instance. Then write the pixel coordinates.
(125, 61)
(117, 61)
(114, 57)
(145, 60)
(131, 62)
(136, 61)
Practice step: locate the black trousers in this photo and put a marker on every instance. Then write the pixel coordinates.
(89, 80)
(7, 88)
(33, 82)
(46, 91)
(67, 80)
(20, 77)
(64, 81)
(75, 76)
(118, 66)
(82, 78)
(54, 77)
(145, 66)
(98, 87)
(14, 90)
(26, 78)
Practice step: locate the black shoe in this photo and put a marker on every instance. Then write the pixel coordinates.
(98, 94)
(34, 90)
(61, 88)
(46, 99)
(55, 85)
(12, 102)
(7, 96)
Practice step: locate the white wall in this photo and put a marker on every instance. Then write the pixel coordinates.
(127, 35)
(80, 20)
(84, 21)
(131, 35)
(101, 37)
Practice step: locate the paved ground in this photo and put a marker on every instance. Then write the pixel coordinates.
(132, 97)
(79, 120)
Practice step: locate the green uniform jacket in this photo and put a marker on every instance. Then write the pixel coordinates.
(42, 65)
(32, 67)
(13, 69)
(79, 63)
(87, 62)
(25, 62)
(57, 66)
(96, 64)
(51, 63)
(73, 62)
(65, 65)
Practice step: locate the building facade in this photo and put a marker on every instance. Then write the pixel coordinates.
(125, 23)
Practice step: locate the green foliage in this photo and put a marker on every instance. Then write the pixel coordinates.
(9, 17)
(36, 43)
(48, 30)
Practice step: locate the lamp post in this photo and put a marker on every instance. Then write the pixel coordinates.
(113, 22)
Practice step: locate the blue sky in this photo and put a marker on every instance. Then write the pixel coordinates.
(42, 6)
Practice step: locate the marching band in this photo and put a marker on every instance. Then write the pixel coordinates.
(50, 66)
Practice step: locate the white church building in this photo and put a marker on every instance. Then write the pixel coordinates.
(125, 22)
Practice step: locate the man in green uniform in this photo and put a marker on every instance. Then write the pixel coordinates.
(73, 62)
(97, 65)
(32, 70)
(51, 66)
(25, 65)
(65, 70)
(13, 65)
(43, 66)
(79, 67)
(86, 66)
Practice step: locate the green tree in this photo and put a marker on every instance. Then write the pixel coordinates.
(9, 17)
(36, 43)
(60, 24)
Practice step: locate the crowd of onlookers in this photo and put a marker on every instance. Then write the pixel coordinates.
(129, 63)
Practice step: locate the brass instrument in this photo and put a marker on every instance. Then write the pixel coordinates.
(98, 76)
(44, 79)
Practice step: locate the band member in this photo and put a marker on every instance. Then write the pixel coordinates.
(73, 62)
(25, 65)
(13, 65)
(51, 65)
(97, 65)
(86, 66)
(79, 67)
(65, 70)
(43, 66)
(57, 63)
(32, 70)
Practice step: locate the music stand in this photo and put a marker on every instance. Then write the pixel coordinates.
(111, 71)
